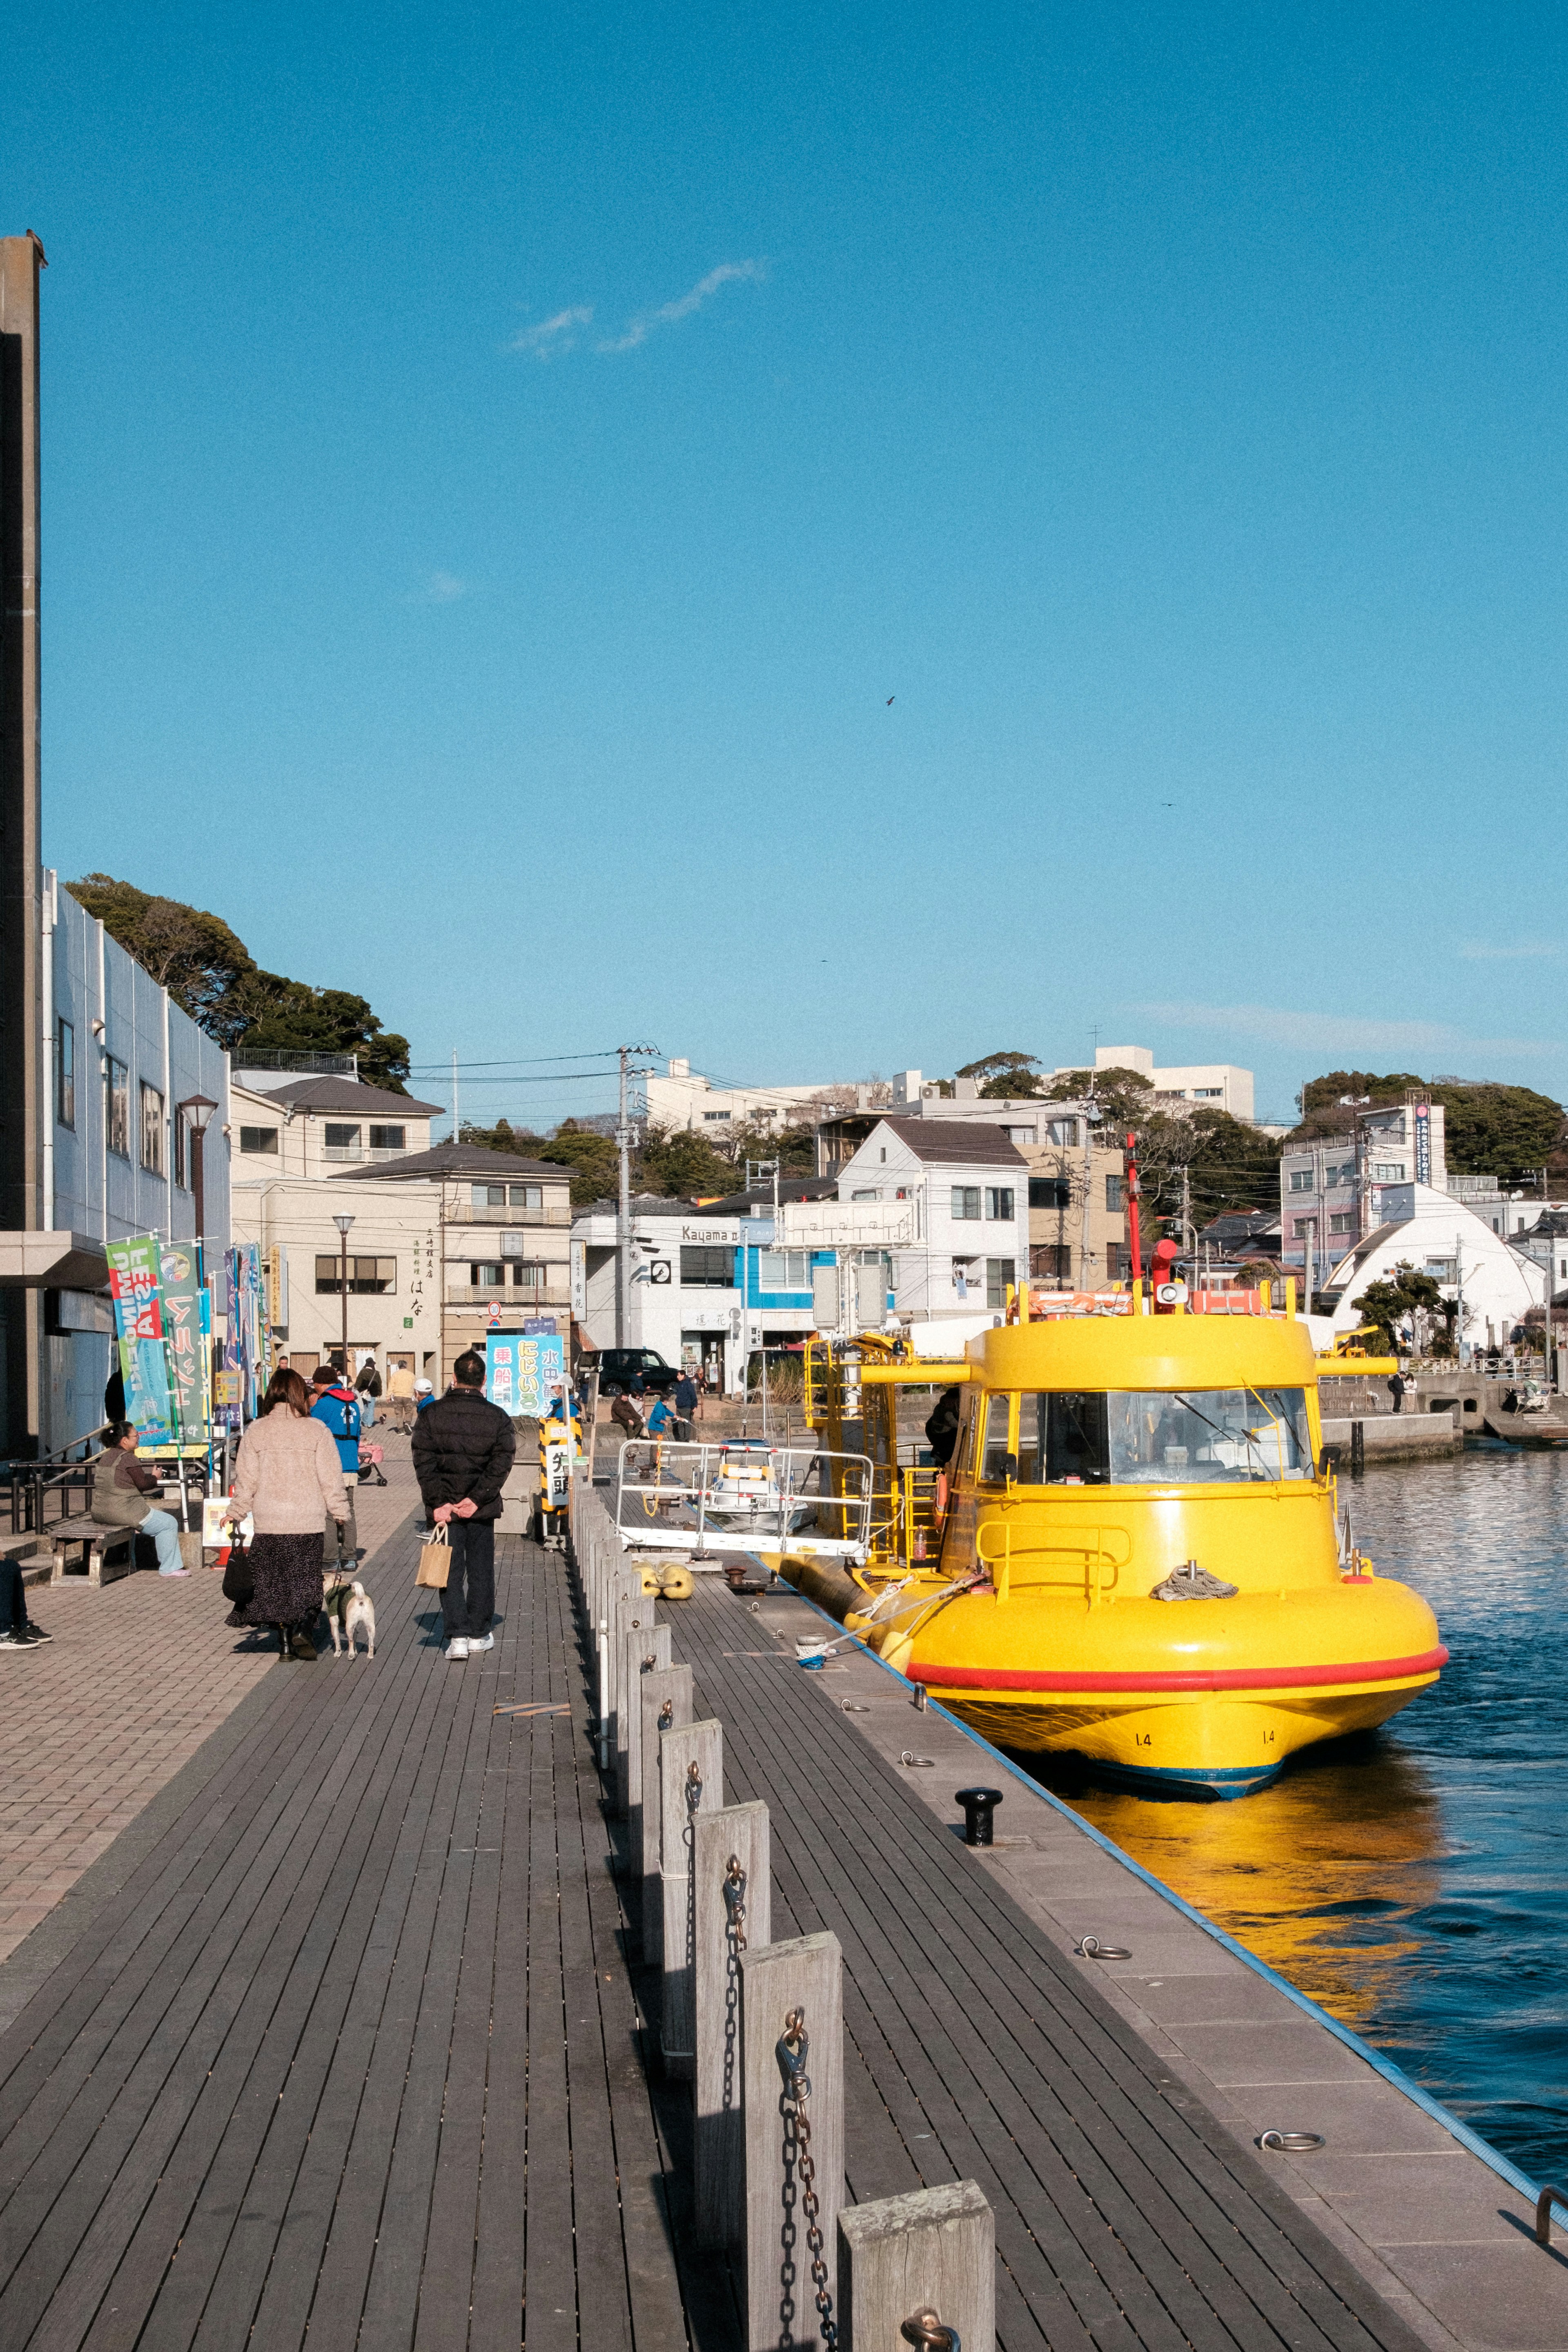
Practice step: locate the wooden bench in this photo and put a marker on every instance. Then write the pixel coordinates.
(106, 1552)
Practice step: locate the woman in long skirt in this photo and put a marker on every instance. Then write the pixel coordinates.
(289, 1480)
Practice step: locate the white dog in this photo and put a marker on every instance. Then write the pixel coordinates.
(351, 1605)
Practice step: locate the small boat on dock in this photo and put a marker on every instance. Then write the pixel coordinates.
(1136, 1553)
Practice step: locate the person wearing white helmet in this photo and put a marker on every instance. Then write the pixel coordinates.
(424, 1394)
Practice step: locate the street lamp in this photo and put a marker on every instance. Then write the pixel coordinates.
(343, 1224)
(196, 1110)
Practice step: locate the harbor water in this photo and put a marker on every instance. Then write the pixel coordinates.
(1414, 1880)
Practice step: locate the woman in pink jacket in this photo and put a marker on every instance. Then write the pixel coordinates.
(287, 1478)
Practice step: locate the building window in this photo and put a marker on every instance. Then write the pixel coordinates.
(1390, 1171)
(388, 1139)
(65, 1076)
(1049, 1193)
(1343, 1174)
(1000, 1274)
(1061, 1130)
(785, 1269)
(369, 1278)
(1341, 1222)
(525, 1196)
(966, 1204)
(151, 1131)
(715, 1118)
(179, 1134)
(1019, 1134)
(1114, 1192)
(502, 1196)
(865, 1196)
(343, 1142)
(117, 1105)
(1117, 1261)
(999, 1203)
(707, 1269)
(1050, 1262)
(1207, 1094)
(1300, 1179)
(486, 1276)
(1305, 1225)
(531, 1275)
(258, 1138)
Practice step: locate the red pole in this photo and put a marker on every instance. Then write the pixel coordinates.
(1132, 1167)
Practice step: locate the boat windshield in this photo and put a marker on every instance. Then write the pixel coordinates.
(1162, 1437)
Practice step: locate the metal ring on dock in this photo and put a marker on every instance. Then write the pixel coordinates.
(909, 1756)
(925, 2331)
(1091, 1949)
(1292, 2143)
(853, 1706)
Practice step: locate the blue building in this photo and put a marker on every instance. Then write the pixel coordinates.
(119, 1155)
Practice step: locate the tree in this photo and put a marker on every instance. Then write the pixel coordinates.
(1126, 1097)
(1384, 1304)
(593, 1158)
(683, 1166)
(1004, 1074)
(192, 954)
(211, 975)
(504, 1136)
(1510, 1132)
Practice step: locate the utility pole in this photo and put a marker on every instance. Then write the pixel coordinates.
(624, 1140)
(1091, 1121)
(457, 1122)
(343, 1224)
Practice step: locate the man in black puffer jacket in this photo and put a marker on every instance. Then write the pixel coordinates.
(463, 1448)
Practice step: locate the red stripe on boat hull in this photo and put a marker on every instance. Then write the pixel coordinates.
(1011, 1678)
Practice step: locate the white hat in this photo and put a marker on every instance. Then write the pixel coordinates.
(421, 1384)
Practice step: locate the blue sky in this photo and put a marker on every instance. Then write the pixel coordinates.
(500, 461)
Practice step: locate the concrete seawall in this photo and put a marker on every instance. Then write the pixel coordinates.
(1399, 1437)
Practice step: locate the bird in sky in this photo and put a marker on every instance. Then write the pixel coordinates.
(890, 702)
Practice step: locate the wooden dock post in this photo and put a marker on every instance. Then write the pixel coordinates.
(663, 1687)
(644, 1652)
(793, 1986)
(932, 2252)
(691, 1782)
(733, 1907)
(633, 1620)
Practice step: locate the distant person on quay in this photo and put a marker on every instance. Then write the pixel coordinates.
(687, 1402)
(1396, 1391)
(121, 1485)
(286, 1475)
(336, 1407)
(463, 1449)
(400, 1390)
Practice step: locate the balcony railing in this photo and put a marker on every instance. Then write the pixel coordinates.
(512, 1296)
(465, 1214)
(341, 1155)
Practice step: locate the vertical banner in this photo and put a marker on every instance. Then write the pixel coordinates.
(134, 1282)
(189, 1364)
(1424, 1143)
(522, 1371)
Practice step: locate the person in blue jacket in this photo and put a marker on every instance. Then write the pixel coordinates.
(336, 1404)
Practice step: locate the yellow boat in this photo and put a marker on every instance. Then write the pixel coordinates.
(1135, 1554)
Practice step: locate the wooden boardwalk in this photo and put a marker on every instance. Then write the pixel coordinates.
(352, 2055)
(1127, 2216)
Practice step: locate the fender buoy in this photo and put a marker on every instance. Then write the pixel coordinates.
(938, 1499)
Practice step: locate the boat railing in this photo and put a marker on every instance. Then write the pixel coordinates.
(1098, 1549)
(735, 1494)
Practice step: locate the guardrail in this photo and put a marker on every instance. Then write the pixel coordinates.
(677, 1493)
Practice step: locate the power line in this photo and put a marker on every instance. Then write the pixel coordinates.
(525, 1061)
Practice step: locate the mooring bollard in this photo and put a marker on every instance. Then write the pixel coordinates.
(731, 1873)
(919, 2270)
(692, 1782)
(666, 1702)
(793, 2068)
(643, 1652)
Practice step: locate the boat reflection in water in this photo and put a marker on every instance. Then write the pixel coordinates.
(1415, 1879)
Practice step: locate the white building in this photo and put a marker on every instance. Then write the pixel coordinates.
(1439, 1236)
(1214, 1086)
(681, 1097)
(444, 1243)
(1331, 1191)
(965, 1186)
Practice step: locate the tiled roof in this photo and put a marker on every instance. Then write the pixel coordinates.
(342, 1093)
(942, 1142)
(458, 1159)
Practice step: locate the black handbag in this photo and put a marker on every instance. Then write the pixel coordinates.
(238, 1583)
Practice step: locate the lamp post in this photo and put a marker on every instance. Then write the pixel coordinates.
(196, 1110)
(343, 1224)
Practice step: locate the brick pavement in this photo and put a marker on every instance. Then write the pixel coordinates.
(93, 1725)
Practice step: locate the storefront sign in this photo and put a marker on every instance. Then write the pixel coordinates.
(1424, 1143)
(189, 1368)
(522, 1369)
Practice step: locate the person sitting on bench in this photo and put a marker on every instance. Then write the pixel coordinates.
(120, 1490)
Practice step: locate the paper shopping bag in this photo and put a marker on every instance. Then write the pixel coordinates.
(434, 1559)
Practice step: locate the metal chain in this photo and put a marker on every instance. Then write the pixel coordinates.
(693, 1803)
(793, 2050)
(735, 1945)
(925, 2331)
(667, 1715)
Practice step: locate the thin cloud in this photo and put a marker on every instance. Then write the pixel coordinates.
(1333, 1032)
(670, 313)
(554, 336)
(443, 588)
(1477, 951)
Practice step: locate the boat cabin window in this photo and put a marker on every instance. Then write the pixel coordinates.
(994, 1455)
(1191, 1437)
